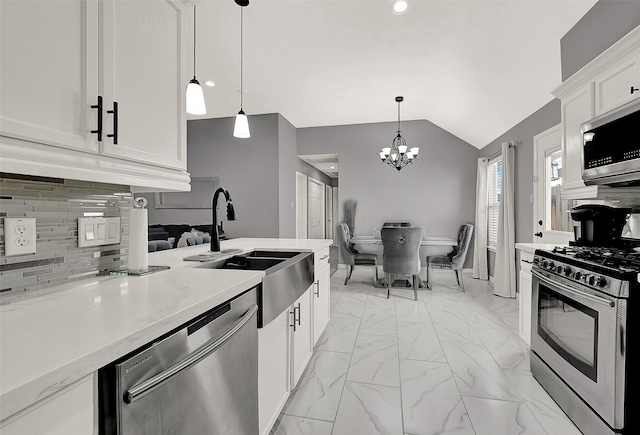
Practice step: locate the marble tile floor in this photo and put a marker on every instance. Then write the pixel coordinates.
(451, 363)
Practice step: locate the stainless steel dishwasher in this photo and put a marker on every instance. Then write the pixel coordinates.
(201, 378)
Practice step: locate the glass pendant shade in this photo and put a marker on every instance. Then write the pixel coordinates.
(195, 98)
(241, 127)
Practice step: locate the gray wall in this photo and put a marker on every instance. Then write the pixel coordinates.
(437, 191)
(259, 173)
(601, 27)
(541, 120)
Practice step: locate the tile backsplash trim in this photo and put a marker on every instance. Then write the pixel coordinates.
(57, 204)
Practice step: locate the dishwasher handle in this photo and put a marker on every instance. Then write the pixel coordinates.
(138, 391)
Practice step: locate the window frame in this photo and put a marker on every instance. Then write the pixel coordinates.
(494, 191)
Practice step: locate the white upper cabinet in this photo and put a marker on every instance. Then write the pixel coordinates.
(49, 72)
(607, 82)
(576, 108)
(60, 59)
(143, 68)
(618, 85)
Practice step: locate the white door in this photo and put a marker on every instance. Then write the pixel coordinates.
(144, 47)
(49, 72)
(316, 209)
(328, 199)
(301, 206)
(552, 222)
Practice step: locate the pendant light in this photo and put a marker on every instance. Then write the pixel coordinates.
(195, 96)
(397, 156)
(241, 127)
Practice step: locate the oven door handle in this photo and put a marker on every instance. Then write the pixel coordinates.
(138, 391)
(572, 291)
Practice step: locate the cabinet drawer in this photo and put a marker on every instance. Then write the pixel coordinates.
(71, 411)
(321, 258)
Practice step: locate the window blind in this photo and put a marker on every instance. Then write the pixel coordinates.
(494, 187)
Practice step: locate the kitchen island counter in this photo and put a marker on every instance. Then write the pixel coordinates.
(50, 340)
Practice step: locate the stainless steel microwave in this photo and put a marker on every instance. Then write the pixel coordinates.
(611, 147)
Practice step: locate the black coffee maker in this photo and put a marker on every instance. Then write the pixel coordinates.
(598, 225)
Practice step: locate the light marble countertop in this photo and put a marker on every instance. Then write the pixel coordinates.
(58, 336)
(531, 247)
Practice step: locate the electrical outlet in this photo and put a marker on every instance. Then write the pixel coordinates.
(19, 236)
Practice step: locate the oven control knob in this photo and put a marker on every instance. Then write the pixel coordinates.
(545, 264)
(594, 280)
(601, 281)
(559, 269)
(578, 276)
(551, 266)
(567, 270)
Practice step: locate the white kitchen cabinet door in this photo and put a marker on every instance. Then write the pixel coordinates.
(49, 72)
(524, 303)
(321, 302)
(273, 370)
(618, 86)
(576, 109)
(301, 345)
(143, 63)
(71, 411)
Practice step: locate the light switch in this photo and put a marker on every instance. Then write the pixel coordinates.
(97, 231)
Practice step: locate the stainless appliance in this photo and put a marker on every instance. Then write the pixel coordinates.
(611, 147)
(583, 334)
(201, 378)
(598, 225)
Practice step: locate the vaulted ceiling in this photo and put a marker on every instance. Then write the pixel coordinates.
(475, 68)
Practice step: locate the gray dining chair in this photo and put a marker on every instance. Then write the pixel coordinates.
(401, 254)
(351, 257)
(454, 260)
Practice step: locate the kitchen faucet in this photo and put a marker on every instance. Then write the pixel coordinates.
(231, 215)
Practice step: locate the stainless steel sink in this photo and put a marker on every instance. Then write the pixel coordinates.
(287, 276)
(243, 263)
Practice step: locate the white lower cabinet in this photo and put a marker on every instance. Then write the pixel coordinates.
(301, 335)
(273, 369)
(285, 345)
(321, 302)
(70, 411)
(524, 284)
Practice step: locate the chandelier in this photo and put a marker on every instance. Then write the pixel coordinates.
(397, 155)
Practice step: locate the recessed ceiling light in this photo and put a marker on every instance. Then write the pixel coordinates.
(400, 6)
(209, 83)
(332, 167)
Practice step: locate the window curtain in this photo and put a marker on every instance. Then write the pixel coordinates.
(480, 268)
(504, 283)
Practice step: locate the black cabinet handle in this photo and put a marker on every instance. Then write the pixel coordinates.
(538, 234)
(294, 310)
(115, 123)
(634, 89)
(99, 107)
(317, 292)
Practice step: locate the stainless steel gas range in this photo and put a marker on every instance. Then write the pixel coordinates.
(582, 334)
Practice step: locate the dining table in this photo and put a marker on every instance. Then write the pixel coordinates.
(426, 241)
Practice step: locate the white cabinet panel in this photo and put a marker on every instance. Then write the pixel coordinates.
(524, 303)
(301, 345)
(273, 370)
(321, 302)
(49, 72)
(71, 411)
(576, 109)
(143, 61)
(617, 86)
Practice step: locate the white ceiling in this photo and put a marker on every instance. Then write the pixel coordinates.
(475, 68)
